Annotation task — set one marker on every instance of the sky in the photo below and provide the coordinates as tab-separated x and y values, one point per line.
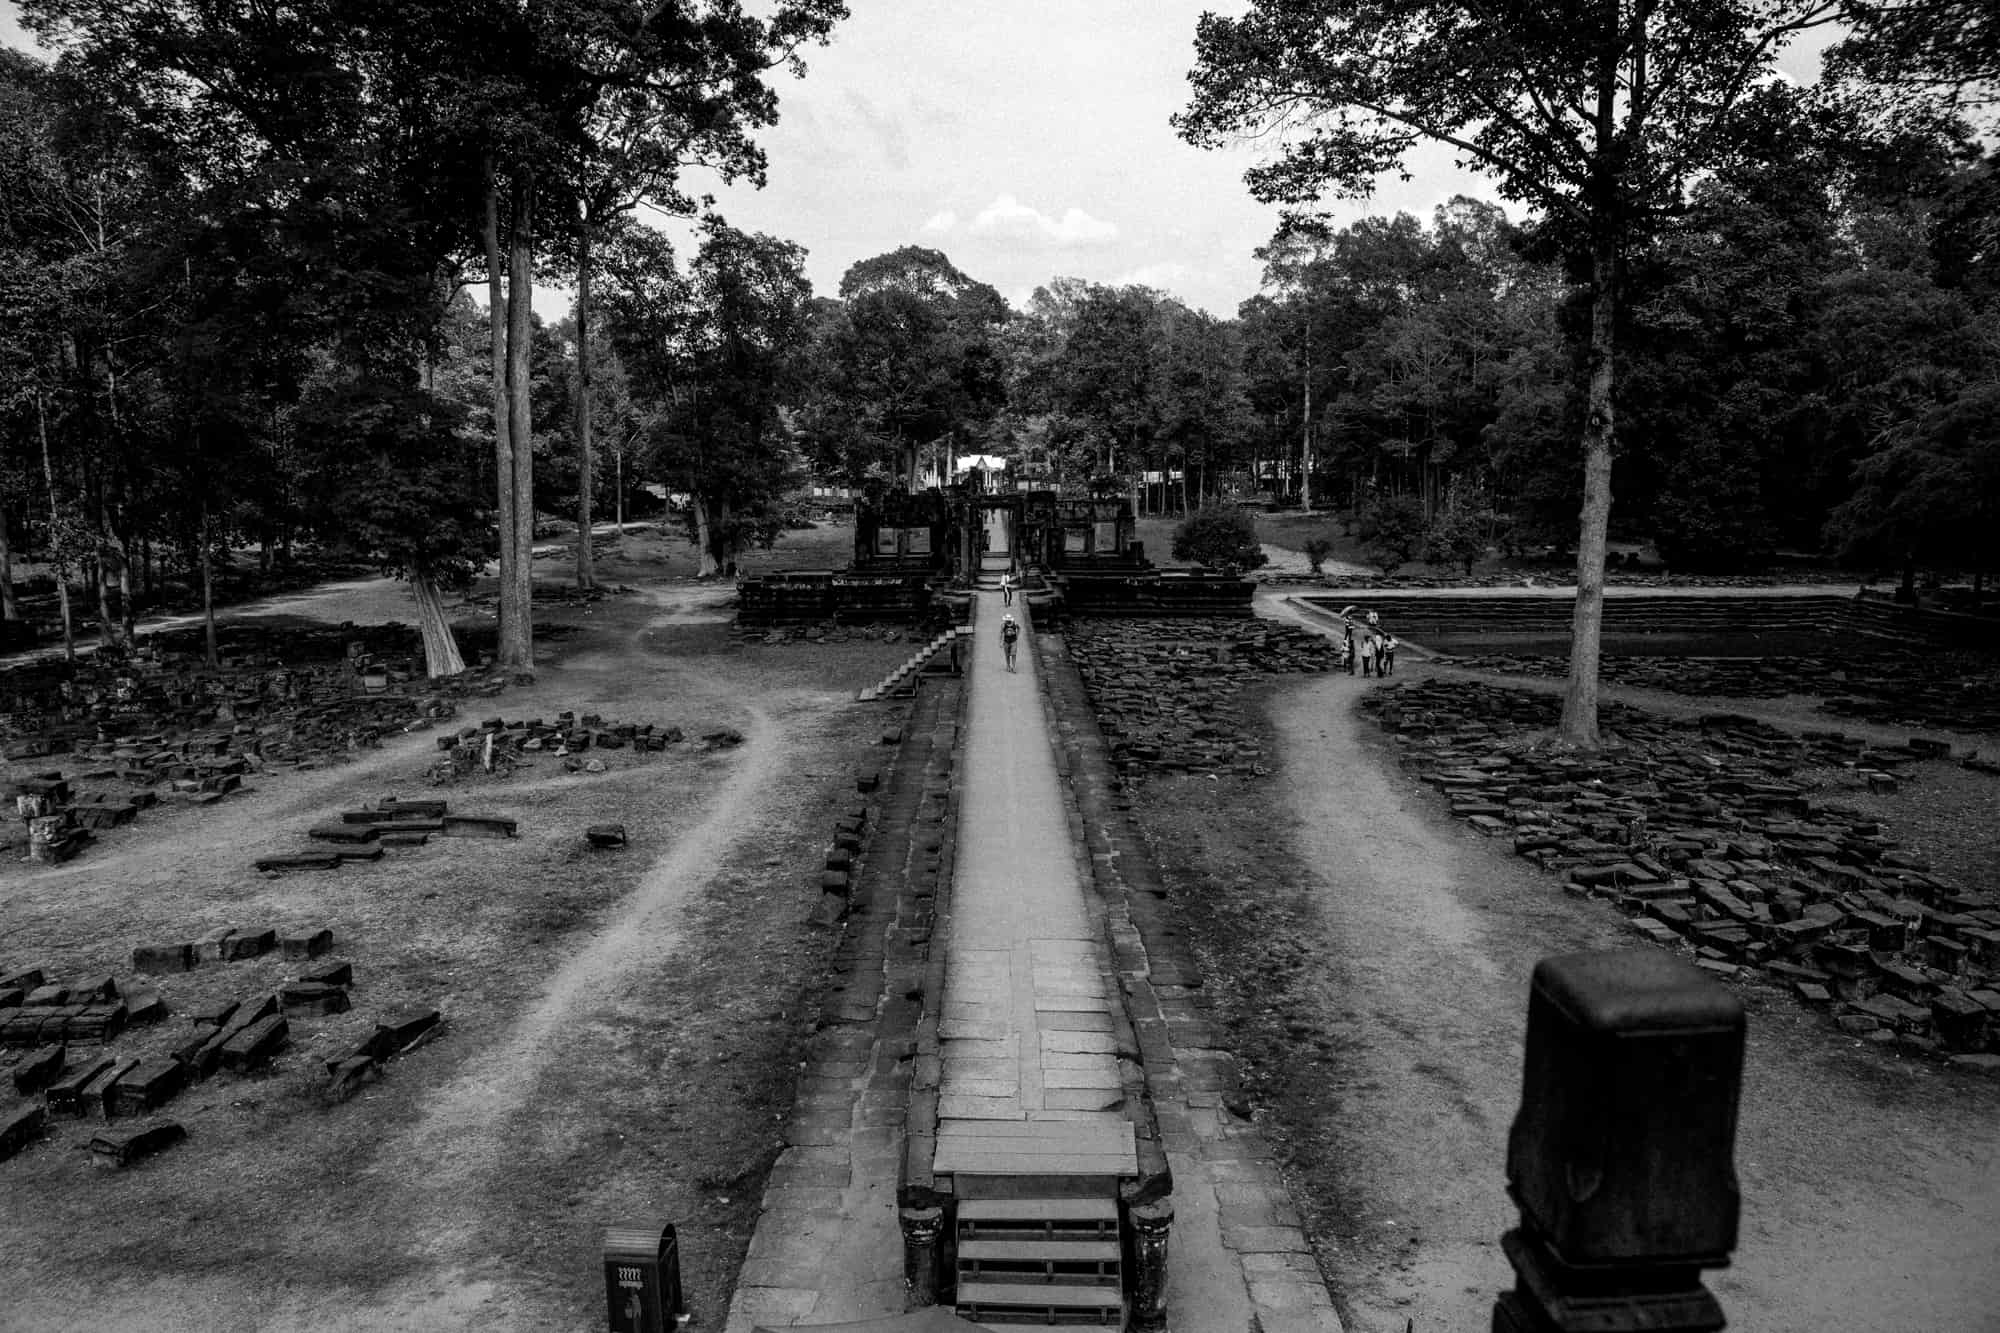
1026	139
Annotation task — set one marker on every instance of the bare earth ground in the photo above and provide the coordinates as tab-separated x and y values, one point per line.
622	1028
1370	957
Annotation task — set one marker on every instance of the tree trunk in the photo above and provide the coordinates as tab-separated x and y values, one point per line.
503	440
704	544
126	607
208	589
56	558
441	655
620	501
10	609
1305	443
586	470
520	656
725	533
1579	714
107	626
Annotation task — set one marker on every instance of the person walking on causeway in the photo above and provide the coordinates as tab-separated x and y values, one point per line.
1006	590
1010	638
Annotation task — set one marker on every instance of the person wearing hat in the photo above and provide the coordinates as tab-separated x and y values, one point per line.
1010	635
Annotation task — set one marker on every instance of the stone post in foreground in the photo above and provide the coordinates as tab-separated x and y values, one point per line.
922	1229
1621	1158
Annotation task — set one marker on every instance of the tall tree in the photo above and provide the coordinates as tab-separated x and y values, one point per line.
1594	114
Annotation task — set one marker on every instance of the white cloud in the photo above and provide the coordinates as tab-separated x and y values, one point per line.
940	223
1008	216
1165	276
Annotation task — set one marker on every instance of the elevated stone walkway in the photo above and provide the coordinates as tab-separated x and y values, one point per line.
1037	1077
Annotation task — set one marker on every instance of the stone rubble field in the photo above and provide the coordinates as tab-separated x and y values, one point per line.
1704	833
1166	691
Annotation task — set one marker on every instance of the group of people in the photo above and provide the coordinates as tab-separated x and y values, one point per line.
1373	648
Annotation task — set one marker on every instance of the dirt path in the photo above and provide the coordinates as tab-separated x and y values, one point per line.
1871	1187
605	1038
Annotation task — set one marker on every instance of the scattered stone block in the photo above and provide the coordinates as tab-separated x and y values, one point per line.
68	1095
95	1023
252	1046
335	974
309	997
347	1077
145	1087
164	958
40	1070
404	1030
479	826
19	1129
868	781
144	1004
249	944
412	808
11	997
45	996
342	832
214	946
25	980
831	910
1986	1064
299	861
216	1015
605	835
310	945
114	1149
97	1097
1959	1021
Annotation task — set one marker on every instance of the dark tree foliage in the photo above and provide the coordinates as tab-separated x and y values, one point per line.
1391	529
1223	536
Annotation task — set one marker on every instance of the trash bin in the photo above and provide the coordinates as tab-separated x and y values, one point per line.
642	1278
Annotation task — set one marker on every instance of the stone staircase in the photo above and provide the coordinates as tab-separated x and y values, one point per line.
991	567
906	674
1040	1261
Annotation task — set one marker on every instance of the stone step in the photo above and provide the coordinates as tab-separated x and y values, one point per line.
1068	1221
1040	1303
1082	1262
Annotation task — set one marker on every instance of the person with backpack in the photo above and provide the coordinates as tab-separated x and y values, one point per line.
1385	655
1010	637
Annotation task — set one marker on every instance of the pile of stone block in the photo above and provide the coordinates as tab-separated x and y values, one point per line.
157	725
1700	830
497	745
836	879
1892	686
1166	691
394	821
57	1040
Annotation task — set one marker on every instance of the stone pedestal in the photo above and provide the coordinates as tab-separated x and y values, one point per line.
1550	1297
1621	1157
923	1229
1150	1225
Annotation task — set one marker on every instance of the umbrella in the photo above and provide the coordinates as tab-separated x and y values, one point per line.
930	1319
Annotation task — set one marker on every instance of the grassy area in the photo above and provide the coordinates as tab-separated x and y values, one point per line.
622	1032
